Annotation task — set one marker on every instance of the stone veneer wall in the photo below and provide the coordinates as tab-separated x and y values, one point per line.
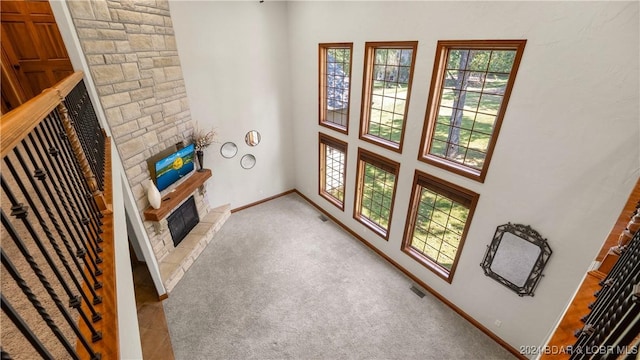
131	51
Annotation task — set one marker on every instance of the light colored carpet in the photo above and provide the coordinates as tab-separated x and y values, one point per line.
278	283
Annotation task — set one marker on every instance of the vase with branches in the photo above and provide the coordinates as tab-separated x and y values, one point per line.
202	139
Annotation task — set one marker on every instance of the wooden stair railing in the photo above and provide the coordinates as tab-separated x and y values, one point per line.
59	300
571	332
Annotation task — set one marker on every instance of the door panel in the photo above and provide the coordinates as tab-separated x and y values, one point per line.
36	79
43	8
21	45
63	73
12	91
51	41
10	7
33	47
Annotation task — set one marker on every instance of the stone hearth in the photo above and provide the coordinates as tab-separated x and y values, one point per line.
177	262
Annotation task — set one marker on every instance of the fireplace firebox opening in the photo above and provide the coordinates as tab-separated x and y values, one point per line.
183	220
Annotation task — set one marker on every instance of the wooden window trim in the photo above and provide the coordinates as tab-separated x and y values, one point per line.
322	67
457	193
324	139
391	166
367	85
433	103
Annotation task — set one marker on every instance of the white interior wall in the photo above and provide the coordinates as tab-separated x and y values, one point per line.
235	63
565	162
566	159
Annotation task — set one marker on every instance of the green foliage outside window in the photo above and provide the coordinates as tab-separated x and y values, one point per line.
377	195
439	226
473	87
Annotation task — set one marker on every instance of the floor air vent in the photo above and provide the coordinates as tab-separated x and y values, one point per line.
417	291
323	218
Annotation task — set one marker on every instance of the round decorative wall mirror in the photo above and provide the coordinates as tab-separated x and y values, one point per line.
228	150
248	161
252	138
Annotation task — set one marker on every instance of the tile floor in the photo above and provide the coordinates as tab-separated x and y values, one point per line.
154	333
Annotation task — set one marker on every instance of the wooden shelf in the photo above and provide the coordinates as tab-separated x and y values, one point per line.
180	193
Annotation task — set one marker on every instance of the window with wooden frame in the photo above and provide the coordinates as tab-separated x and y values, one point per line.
437	223
333	162
470	89
335	85
376	188
388	72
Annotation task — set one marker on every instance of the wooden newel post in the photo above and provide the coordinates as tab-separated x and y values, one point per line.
90	178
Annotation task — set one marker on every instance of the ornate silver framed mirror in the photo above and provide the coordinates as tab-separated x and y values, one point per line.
228	150
516	257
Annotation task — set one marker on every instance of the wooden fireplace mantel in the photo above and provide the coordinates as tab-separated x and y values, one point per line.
180	193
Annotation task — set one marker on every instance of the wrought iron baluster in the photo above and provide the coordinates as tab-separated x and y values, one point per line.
55	125
81	158
606	315
613	320
615	282
91	138
96	335
74	105
5	355
41	175
621	325
632	249
83	209
15	274
13	315
611	284
55	163
20	211
63	196
610	319
87	124
83	196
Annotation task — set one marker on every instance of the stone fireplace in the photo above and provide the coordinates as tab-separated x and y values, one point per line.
130	49
175	257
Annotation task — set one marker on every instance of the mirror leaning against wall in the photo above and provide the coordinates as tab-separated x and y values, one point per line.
516	258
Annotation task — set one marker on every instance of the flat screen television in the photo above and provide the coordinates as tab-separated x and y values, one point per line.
173	167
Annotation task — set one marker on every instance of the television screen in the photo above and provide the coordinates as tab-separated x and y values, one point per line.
174	166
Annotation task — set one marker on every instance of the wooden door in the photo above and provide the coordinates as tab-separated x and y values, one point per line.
33	54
